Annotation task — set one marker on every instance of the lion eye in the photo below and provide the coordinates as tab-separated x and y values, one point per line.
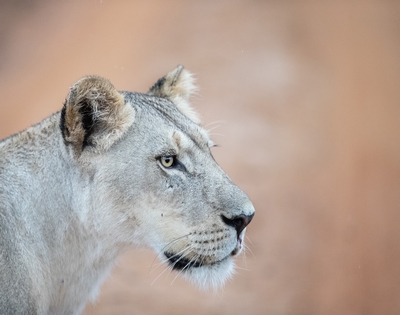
167	161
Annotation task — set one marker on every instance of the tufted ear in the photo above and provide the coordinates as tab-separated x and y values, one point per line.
94	115
177	86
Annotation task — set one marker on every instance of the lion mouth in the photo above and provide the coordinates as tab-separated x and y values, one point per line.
180	263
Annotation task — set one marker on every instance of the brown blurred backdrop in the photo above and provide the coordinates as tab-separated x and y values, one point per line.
305	96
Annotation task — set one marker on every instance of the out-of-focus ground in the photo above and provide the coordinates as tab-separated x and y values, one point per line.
306	97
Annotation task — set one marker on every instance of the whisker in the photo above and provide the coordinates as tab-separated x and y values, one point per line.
168	267
171	268
244	255
241	268
162	250
248	239
215	122
182	254
249	249
211	129
181	271
193	259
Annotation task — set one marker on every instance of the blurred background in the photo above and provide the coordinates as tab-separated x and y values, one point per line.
303	99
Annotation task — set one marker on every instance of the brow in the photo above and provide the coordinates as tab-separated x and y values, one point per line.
180	121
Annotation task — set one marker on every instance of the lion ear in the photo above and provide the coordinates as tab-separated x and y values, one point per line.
94	115
177	86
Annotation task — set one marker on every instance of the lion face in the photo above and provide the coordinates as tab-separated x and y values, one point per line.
154	178
183	204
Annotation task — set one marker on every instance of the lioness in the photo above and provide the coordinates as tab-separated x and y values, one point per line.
110	170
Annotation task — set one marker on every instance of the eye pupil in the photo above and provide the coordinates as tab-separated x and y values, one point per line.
167	161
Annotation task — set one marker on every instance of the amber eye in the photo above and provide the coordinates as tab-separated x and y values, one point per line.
167	161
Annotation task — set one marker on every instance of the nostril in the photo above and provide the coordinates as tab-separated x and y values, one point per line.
238	222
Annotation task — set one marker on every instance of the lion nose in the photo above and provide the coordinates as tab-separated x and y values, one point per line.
239	222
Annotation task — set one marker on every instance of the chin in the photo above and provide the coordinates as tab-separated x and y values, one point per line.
205	276
211	276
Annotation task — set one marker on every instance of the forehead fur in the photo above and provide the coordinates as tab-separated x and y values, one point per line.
168	111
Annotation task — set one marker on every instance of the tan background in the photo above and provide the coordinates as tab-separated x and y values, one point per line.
306	96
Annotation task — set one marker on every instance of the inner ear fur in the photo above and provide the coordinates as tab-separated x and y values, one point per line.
94	115
177	86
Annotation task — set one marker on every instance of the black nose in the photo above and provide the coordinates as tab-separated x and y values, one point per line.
238	222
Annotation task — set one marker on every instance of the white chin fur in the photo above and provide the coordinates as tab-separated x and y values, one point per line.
212	276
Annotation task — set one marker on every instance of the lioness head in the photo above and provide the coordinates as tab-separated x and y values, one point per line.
153	177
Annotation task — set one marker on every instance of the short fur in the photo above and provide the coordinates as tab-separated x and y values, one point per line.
89	182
